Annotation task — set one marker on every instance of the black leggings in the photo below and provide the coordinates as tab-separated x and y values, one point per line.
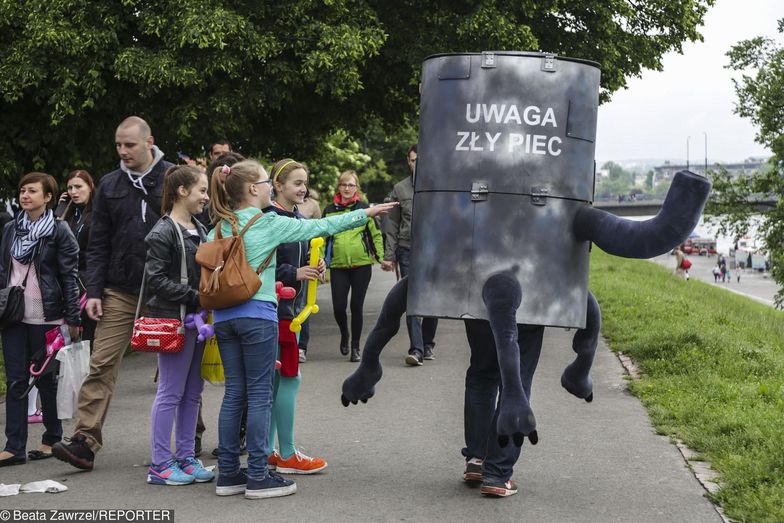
341	280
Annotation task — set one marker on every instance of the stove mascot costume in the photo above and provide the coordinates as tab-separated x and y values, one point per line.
503	225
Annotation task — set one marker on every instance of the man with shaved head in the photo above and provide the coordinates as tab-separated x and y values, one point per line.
126	206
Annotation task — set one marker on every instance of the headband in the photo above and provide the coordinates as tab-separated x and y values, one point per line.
280	169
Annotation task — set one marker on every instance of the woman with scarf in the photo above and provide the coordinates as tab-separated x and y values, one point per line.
350	256
40	254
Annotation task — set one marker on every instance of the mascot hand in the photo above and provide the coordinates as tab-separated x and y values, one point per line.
577	383
516	419
361	386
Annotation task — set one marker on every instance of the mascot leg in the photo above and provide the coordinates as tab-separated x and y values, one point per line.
576	378
360	386
502	295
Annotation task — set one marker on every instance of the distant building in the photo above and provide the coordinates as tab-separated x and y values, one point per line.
748	166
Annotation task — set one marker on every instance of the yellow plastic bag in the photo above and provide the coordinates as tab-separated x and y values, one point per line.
211	364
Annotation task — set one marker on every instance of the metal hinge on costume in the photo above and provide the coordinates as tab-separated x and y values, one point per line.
539	195
479	191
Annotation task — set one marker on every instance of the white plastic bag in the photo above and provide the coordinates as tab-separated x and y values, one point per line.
74	366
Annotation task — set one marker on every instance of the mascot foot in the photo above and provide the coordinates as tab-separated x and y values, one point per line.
516	419
577	383
361	385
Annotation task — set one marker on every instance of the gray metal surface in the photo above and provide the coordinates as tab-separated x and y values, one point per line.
506	148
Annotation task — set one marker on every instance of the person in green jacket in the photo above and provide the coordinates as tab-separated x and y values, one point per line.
350	257
247	333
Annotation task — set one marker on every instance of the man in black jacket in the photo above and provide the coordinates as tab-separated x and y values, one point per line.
127	205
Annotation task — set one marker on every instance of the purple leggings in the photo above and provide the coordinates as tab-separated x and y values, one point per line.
179	393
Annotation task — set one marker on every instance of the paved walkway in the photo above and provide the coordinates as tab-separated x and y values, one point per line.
756	285
398	457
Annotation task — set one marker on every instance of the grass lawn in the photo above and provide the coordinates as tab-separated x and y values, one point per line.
713	374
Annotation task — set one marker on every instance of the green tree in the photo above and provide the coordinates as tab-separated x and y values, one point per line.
760	92
620	181
275	78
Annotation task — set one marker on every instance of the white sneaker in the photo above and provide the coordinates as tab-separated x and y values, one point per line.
302	357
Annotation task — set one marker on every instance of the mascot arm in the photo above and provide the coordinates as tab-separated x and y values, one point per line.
677	218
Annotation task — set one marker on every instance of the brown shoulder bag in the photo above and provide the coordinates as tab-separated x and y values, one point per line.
226	277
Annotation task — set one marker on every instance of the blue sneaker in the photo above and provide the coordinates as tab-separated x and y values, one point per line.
168	473
231	485
194	467
273	486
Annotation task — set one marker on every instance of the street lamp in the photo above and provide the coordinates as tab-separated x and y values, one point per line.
687	152
706	153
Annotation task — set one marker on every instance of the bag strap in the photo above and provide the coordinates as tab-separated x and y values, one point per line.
29	266
266	262
183	269
183	273
251	222
219	235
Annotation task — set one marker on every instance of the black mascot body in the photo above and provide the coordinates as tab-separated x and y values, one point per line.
504	184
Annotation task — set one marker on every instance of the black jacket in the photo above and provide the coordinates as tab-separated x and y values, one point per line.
289	258
116	253
56	259
164	292
78	219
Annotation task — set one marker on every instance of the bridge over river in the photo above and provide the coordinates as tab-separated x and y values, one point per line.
651	207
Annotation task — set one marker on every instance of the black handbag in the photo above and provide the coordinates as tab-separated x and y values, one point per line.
12	303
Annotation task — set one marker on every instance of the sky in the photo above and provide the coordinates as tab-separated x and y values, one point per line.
694	94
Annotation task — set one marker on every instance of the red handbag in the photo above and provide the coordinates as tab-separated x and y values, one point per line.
165	335
157	335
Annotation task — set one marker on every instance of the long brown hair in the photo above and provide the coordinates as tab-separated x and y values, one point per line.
176	176
227	196
68	212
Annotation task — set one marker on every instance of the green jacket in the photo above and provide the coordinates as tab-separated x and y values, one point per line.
272	229
354	247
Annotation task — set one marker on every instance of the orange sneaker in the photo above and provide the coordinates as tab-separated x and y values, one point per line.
272	460
299	463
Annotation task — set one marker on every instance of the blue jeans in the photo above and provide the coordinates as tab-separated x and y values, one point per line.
483	385
421	331
248	347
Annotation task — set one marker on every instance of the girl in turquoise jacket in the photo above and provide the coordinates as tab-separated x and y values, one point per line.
350	257
247	333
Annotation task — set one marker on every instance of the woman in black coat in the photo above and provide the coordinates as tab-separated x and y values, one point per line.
76	209
39	253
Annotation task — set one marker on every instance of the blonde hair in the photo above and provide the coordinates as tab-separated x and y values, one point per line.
346	174
227	196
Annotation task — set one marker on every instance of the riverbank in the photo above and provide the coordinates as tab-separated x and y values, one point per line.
759	286
712	371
